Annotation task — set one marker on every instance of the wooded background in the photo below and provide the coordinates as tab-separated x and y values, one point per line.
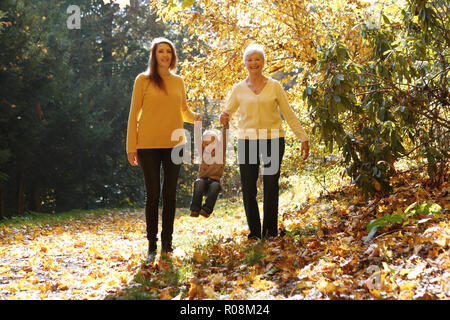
368	80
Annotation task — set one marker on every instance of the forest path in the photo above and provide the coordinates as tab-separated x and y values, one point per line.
323	252
90	255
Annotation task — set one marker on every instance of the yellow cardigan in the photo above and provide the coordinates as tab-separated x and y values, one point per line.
155	115
259	116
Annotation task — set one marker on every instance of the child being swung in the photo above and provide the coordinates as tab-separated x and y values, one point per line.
213	153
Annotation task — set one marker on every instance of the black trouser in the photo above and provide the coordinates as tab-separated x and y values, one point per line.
208	187
150	161
271	152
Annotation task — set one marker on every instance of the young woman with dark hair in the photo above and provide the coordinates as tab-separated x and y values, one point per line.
158	108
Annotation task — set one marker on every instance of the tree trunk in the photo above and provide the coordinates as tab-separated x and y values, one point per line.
134	4
1	201
37	197
107	41
20	192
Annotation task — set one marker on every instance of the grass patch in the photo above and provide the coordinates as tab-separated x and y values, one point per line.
255	255
307	231
37	218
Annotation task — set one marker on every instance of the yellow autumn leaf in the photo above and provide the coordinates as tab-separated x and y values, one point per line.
325	286
165	294
375	293
209	291
194	289
262	284
406	286
215	279
199	257
304	284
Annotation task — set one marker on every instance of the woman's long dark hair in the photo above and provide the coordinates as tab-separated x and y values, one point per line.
152	68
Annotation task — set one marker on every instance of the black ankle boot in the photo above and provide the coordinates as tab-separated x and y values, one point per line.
151	250
167	248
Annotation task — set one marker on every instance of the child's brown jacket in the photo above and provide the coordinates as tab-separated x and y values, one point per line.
215	170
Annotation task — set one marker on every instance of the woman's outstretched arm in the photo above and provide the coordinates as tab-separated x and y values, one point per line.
135	110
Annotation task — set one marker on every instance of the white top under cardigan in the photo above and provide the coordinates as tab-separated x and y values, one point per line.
259	116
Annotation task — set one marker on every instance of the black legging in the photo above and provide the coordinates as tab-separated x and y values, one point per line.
150	161
249	153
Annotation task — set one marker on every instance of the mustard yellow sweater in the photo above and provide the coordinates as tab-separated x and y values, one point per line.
155	114
259	114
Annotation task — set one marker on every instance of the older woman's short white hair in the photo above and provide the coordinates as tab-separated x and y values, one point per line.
254	48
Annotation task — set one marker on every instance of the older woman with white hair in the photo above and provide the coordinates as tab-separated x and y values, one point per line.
259	100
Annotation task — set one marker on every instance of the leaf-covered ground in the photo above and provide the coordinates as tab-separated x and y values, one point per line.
325	252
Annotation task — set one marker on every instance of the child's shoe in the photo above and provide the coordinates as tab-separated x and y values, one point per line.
204	213
194	213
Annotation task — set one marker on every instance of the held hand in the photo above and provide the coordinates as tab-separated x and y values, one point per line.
133	158
224	119
305	149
